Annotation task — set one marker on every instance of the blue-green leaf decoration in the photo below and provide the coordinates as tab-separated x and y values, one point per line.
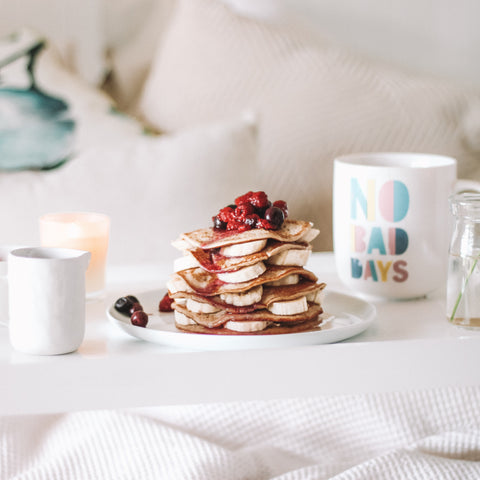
36	130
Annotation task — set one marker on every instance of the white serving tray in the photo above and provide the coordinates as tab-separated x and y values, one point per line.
408	346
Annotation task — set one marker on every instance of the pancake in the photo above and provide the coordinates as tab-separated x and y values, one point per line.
272	329
207	238
207	284
213	261
213	320
247	275
269	295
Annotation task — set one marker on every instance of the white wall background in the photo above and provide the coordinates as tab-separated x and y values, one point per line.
440	37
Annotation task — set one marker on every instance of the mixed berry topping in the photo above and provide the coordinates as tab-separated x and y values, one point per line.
252	210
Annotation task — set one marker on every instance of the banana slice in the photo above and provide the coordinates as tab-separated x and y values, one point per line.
241	249
243	274
316	297
293	256
182	319
243	299
184	263
198	307
292	279
289	307
248	326
178	284
310	235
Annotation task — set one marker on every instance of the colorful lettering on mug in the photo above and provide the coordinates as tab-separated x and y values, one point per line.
384	269
397	240
393	200
367	205
358	238
379	271
399	268
393	242
376	241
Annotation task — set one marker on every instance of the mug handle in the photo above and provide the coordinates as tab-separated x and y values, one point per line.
463	185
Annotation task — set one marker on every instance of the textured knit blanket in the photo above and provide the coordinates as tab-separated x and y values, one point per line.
416	435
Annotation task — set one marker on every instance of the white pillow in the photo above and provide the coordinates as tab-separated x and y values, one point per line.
153	188
315	101
133	29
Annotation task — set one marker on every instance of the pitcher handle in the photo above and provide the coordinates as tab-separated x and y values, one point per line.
86	259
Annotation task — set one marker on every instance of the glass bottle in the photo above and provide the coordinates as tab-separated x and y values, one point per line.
463	284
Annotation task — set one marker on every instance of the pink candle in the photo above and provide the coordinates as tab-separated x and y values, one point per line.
81	231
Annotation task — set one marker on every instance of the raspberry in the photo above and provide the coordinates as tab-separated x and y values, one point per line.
257	199
243	199
265	224
243	210
165	304
282	205
239	226
226	214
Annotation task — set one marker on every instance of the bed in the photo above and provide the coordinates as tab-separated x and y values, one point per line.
157	130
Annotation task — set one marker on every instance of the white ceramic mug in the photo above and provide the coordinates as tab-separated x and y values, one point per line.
46	290
391	223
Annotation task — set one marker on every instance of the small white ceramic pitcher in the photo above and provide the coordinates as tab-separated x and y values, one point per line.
4	251
46	291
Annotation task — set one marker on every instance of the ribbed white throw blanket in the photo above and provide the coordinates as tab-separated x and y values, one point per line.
418	435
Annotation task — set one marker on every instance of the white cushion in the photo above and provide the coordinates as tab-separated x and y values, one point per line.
153	188
315	101
133	29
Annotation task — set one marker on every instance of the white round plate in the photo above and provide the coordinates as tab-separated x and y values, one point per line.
351	316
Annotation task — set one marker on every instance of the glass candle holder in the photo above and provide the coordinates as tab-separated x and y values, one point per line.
463	286
81	231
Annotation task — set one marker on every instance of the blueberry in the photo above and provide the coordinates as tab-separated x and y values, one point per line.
218	224
133	299
251	220
275	216
139	318
123	305
136	307
260	211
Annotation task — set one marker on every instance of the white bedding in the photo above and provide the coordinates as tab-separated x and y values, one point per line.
418	435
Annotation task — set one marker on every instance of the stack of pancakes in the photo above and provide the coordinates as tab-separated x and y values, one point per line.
250	282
